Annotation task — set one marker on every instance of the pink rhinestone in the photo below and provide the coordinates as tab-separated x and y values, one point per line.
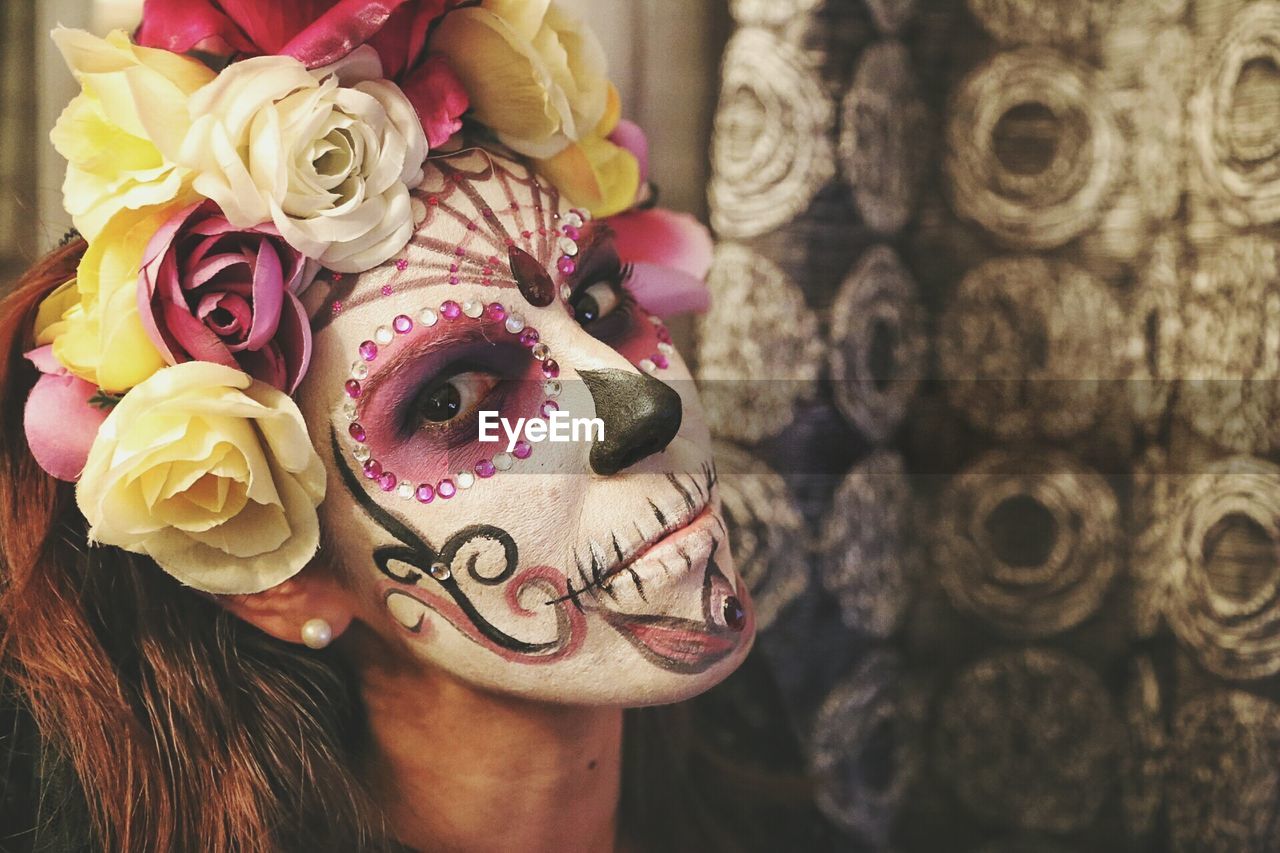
496	312
566	265
453	267
387	481
459	251
425	494
471	226
446	489
353	388
337	307
433	201
572	233
493	260
660	361
453	279
402	324
402	264
368	350
357	431
373	469
664	335
550	369
529	337
522	450
526	234
450	309
549	407
485	469
386	290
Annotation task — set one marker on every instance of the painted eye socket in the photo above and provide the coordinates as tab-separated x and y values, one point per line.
453	396
596	301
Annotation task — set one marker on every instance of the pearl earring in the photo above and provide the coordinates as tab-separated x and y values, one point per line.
316	633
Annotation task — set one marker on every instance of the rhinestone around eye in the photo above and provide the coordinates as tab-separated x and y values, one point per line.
383	335
542	352
647	366
465	480
515	324
440	571
551	388
428	317
361	453
473	308
666	348
565	292
405	490
502	461
573	219
567	246
349	409
359	370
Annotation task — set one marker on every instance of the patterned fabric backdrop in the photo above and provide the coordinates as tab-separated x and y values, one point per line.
1011	270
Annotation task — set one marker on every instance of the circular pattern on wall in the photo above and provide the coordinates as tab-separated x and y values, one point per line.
759	351
1040	21
1235	118
1156	329
1224	775
1230	349
1032	149
1223	601
878	344
1033	347
1027	541
765	528
866	548
1027	739
771	149
864	755
884	137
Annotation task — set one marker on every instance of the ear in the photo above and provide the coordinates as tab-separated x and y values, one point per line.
282	610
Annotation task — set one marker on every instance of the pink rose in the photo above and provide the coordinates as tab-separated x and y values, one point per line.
209	291
319	33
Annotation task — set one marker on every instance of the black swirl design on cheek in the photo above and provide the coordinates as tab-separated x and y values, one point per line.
417	557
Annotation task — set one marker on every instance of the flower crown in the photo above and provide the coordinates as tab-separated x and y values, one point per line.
217	162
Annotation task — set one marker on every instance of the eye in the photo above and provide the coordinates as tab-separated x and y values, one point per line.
600	303
453	396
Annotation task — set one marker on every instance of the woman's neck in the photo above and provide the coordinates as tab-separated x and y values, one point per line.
458	769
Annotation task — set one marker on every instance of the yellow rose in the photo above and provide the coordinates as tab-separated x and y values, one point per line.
535	75
211	474
594	173
93	321
122	134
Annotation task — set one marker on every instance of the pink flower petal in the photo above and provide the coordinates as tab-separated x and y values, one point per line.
294	337
337	32
268	296
181	25
667	291
439	99
271	25
628	135
663	237
61	424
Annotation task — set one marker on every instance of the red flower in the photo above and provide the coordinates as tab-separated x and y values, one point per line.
318	33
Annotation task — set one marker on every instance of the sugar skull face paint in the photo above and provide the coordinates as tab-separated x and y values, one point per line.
589	572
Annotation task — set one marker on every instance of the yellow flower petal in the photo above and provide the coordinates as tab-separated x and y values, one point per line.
595	174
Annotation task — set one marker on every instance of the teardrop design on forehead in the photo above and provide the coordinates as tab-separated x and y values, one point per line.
471	208
533	280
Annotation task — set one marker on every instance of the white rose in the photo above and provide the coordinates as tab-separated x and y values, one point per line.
328	155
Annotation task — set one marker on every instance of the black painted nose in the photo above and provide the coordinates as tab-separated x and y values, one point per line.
641	415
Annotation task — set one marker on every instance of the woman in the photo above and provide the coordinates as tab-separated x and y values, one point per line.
294	599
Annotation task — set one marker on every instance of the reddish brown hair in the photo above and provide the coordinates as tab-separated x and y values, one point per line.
185	728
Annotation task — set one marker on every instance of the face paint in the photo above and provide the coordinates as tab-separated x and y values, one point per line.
582	572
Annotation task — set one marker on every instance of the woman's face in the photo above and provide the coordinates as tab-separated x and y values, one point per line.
582	571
